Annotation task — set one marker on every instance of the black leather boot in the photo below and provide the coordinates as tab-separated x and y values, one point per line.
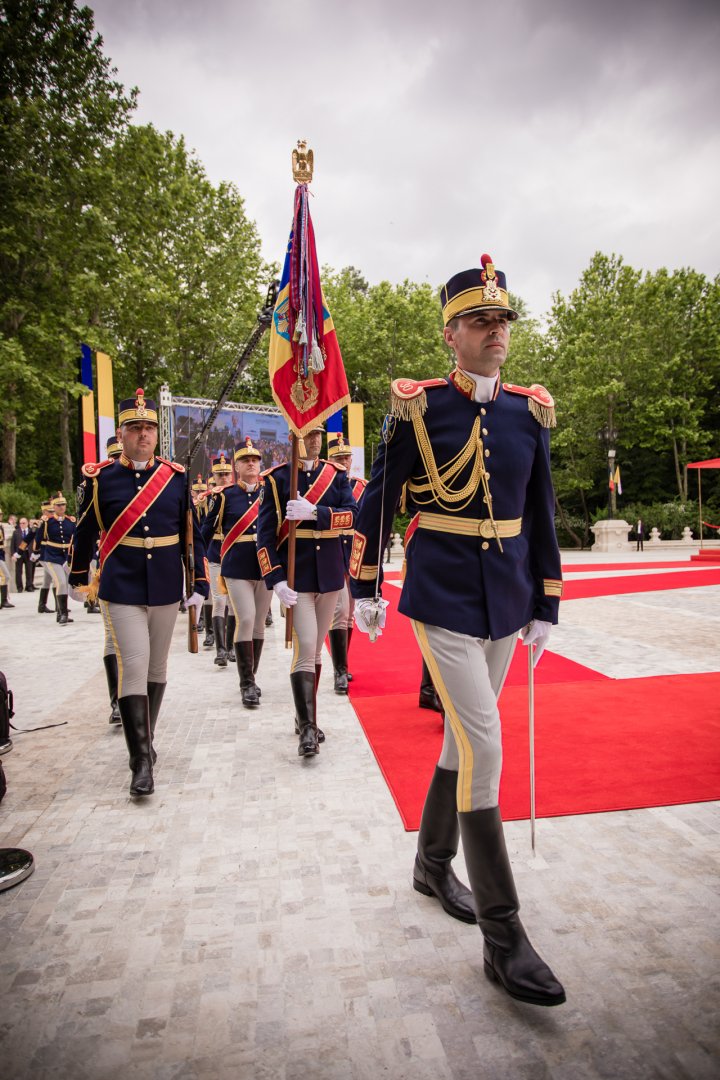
4	602
135	713
508	956
219	632
320	732
93	608
338	651
248	690
64	617
428	695
111	674
156	692
349	639
43	609
230	638
438	838
209	640
303	691
55	609
269	618
258	643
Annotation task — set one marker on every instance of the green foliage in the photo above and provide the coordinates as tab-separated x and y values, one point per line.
21	499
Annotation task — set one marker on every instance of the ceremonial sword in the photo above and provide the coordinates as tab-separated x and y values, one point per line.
531	734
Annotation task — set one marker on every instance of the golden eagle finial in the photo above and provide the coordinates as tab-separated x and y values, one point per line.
302	163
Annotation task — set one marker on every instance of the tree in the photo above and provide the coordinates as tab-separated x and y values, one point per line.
60	108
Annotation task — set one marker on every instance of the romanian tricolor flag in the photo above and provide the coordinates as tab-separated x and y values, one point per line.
307	377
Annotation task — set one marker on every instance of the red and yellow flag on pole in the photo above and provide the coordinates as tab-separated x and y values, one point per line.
307	376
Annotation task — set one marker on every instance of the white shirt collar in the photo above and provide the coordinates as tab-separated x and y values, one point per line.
484	385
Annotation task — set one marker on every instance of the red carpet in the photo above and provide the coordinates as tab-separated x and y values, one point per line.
601	744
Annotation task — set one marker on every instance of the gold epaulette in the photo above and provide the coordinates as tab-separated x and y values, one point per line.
335	464
173	464
92	468
540	402
273	468
408	399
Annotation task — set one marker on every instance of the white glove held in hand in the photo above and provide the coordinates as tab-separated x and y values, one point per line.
34	557
196	600
536	633
76	595
300	510
370	616
284	593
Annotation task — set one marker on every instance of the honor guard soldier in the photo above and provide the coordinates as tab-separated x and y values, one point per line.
482	564
340	632
53	540
199	498
240	570
137	506
4	577
324	507
113	453
36	556
223	622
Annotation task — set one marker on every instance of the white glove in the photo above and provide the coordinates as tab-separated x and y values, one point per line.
284	593
370	616
34	557
76	595
536	633
196	600
300	510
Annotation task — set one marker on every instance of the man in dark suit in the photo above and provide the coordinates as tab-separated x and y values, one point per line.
20	547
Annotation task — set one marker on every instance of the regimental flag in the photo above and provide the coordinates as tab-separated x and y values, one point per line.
611	479
307	377
618	483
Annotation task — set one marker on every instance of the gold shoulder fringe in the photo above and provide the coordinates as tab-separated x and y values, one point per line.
408	408
544	414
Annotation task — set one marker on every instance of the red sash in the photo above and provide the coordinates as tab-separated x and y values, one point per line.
240	526
314	494
132	513
358	488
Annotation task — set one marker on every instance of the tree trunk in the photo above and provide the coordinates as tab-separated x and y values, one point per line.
67	462
566	525
9	447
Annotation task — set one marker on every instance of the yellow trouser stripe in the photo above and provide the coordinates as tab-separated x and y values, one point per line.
465	753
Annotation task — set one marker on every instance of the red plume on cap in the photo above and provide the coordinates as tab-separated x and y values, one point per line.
248	440
140	392
485	259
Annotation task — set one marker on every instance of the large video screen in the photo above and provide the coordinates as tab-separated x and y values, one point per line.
268	432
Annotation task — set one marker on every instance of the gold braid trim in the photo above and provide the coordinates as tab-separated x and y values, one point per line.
408	408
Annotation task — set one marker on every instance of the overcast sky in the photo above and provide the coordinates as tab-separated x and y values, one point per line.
539	131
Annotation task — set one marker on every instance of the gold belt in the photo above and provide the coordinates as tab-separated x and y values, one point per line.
469	526
51	543
150	541
218	536
317	534
243	539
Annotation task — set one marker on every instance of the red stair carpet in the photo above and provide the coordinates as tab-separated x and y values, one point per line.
600	743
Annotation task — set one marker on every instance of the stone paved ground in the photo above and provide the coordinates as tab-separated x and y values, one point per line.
254	919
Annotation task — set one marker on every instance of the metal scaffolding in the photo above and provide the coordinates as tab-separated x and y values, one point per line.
168	402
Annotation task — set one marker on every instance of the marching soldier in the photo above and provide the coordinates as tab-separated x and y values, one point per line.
200	493
340	632
324	507
249	596
114	449
4	576
482	564
223	622
138	507
52	544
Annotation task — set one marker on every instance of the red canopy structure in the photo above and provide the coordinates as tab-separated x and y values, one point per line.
711	463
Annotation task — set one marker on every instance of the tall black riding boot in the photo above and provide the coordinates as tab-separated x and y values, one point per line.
62	602
349	639
428	696
320	732
303	691
438	838
338	652
209	636
230	637
219	632
4	602
55	609
135	713
156	692
111	674
507	953
258	643
248	690
43	609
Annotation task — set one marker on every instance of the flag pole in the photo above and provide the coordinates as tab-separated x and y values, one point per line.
531	739
294	462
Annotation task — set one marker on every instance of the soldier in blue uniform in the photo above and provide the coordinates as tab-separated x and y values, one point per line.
213	533
52	541
137	505
4	575
482	564
324	507
249	596
35	557
199	497
340	631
